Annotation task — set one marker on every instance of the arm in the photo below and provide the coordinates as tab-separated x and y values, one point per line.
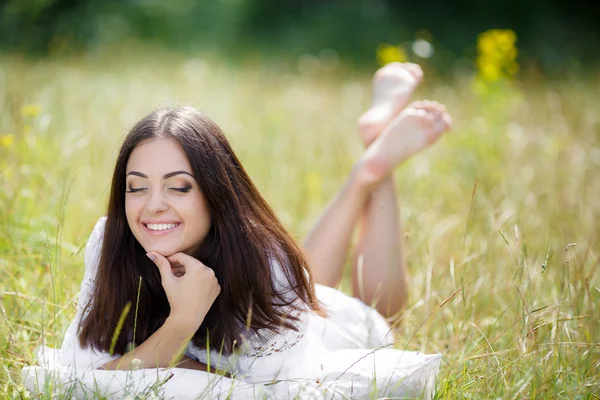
190	297
188	363
152	354
161	350
165	346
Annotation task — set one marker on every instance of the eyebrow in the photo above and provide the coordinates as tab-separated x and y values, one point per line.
165	176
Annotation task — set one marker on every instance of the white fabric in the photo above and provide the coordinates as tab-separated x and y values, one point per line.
347	354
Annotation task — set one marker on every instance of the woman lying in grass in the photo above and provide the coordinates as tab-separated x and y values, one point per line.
191	268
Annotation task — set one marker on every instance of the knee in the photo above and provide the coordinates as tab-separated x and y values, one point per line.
394	305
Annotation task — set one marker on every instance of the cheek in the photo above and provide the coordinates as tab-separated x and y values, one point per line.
204	217
198	217
192	208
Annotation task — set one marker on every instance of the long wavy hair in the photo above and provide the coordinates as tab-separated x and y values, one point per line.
245	239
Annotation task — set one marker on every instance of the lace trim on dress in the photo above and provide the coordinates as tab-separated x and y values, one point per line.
267	342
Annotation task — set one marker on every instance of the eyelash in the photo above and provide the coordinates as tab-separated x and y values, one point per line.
185	189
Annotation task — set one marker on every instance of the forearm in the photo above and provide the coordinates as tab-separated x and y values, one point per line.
188	363
162	349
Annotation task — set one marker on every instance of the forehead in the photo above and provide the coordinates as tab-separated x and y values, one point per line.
160	156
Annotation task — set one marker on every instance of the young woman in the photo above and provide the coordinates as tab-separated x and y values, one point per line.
191	268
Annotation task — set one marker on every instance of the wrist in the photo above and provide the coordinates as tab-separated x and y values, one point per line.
182	325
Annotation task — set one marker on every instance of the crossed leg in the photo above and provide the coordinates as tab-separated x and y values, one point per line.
369	194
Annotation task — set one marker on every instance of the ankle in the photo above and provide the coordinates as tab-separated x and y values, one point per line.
369	130
368	173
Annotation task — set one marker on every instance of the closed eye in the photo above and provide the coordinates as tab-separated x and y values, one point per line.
183	189
132	190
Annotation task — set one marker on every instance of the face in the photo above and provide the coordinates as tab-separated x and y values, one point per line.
165	208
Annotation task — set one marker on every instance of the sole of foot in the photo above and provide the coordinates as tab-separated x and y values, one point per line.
417	127
392	87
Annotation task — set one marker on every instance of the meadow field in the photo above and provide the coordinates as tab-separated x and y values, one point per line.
501	216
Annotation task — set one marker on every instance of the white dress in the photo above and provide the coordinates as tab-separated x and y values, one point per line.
349	354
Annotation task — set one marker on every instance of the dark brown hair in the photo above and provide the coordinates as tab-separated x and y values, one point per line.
244	240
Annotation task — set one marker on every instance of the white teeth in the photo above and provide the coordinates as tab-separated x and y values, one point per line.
160	227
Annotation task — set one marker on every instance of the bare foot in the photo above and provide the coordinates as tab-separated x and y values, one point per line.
392	87
414	129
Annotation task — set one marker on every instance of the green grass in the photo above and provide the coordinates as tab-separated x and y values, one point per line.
502	215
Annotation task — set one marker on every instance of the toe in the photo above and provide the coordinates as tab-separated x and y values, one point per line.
423	118
426	105
443	122
418	105
433	106
447	120
411	73
437	113
440	125
429	105
394	64
388	69
415	70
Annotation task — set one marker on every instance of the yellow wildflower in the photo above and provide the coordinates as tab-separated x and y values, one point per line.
30	110
485	45
489	71
497	54
7	140
387	53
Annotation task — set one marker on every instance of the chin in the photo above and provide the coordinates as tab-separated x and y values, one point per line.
165	251
168	251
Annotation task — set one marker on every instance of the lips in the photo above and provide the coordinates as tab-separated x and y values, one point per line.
160	228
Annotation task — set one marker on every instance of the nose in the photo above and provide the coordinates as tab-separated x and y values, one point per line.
157	202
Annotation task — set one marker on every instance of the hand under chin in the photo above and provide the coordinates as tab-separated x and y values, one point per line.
178	271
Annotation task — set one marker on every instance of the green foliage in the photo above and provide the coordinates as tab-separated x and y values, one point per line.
553	34
501	215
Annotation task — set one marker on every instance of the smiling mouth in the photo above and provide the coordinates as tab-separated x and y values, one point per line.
161	227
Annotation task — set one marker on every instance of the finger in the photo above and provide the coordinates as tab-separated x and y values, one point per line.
185	260
178	271
164	267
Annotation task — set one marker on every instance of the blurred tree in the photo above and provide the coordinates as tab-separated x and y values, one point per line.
553	32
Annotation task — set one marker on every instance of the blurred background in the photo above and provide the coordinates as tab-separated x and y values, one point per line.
554	35
501	216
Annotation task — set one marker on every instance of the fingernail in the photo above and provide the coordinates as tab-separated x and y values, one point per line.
151	256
